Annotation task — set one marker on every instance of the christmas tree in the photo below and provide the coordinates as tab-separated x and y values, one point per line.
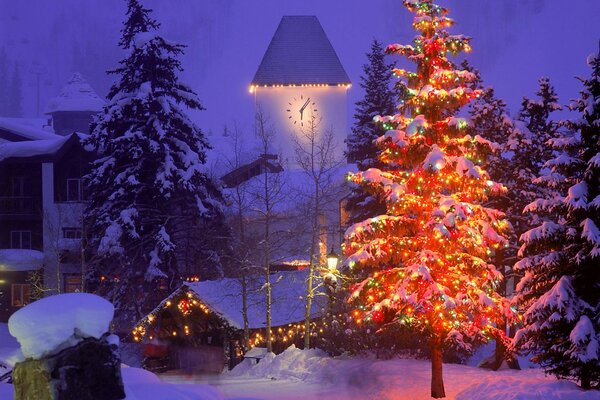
559	291
430	251
379	99
154	214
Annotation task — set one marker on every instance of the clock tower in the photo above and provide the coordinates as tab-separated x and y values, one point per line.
299	78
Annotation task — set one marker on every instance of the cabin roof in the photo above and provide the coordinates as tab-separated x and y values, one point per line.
224	298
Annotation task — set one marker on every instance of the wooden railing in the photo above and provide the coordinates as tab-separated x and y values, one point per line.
11	205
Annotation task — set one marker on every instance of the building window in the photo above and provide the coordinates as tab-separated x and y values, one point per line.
71	233
20	239
74	189
72	283
21	186
20	294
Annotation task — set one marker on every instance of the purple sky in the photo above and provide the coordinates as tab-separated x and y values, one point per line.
514	42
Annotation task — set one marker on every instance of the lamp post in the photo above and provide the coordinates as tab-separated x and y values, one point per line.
332	260
331	277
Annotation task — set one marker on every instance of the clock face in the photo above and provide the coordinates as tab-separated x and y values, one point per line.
300	109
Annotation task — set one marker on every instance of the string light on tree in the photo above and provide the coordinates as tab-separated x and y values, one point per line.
431	250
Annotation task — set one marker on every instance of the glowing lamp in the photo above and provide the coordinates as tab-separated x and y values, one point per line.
332	260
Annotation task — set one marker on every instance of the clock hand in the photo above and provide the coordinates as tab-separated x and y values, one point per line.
304	107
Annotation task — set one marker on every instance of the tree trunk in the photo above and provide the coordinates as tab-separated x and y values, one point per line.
437	381
311	269
586	384
245	311
268	261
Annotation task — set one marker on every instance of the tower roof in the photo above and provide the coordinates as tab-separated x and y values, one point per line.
76	95
300	54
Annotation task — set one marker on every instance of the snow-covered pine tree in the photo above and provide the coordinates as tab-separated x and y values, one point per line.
560	291
490	119
379	99
431	249
536	114
154	213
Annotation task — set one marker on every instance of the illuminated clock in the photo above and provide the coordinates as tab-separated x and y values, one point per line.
301	109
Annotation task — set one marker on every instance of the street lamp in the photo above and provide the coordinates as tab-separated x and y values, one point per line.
332	260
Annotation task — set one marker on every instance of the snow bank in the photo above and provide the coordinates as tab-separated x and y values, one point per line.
293	364
43	326
361	378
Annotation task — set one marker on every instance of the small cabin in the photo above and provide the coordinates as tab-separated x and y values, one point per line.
200	326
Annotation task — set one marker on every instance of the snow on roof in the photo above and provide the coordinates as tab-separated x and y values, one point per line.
77	95
34	147
44	325
28	128
300	53
224	298
20	260
31	148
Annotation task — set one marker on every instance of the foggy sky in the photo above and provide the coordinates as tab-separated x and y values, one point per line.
514	43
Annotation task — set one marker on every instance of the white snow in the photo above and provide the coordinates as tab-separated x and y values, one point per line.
77	95
31	148
299	375
144	385
43	326
583	334
20	260
28	128
302	375
223	297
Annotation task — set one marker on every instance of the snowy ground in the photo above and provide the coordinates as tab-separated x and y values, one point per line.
305	375
299	375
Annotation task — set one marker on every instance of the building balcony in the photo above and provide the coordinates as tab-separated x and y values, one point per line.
20	205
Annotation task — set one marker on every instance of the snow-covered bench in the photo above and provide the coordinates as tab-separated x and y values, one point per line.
256	354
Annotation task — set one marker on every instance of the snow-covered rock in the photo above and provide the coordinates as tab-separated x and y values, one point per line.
47	324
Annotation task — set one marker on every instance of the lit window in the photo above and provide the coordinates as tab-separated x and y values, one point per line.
20	239
20	294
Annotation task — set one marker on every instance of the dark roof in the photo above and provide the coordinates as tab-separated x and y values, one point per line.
300	53
265	163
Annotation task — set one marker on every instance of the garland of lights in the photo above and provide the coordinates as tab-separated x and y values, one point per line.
431	249
189	303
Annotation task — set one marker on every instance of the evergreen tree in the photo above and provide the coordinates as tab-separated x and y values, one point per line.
490	119
155	213
15	94
536	114
507	164
560	290
379	99
431	250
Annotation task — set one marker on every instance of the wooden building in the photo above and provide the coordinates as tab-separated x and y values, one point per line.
200	325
